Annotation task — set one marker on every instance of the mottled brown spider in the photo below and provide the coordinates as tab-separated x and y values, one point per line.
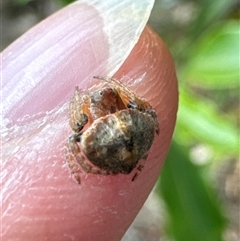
113	131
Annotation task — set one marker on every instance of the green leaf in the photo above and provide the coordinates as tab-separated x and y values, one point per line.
207	13
193	209
66	2
210	12
214	59
200	120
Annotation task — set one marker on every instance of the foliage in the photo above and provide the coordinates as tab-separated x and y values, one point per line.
207	59
194	213
65	2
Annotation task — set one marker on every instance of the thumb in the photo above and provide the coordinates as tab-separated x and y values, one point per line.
41	201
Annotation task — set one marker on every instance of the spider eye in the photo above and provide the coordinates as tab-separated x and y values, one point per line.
78	138
85	117
82	122
132	105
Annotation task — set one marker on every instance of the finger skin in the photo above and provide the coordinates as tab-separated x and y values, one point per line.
41	201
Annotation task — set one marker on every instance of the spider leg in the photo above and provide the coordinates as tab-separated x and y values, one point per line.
139	167
75	158
71	161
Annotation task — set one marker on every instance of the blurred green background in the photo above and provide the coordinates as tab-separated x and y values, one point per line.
197	194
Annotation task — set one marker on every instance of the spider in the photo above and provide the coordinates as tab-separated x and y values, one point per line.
113	130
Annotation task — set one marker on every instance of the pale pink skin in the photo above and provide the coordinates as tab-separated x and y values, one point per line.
41	201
